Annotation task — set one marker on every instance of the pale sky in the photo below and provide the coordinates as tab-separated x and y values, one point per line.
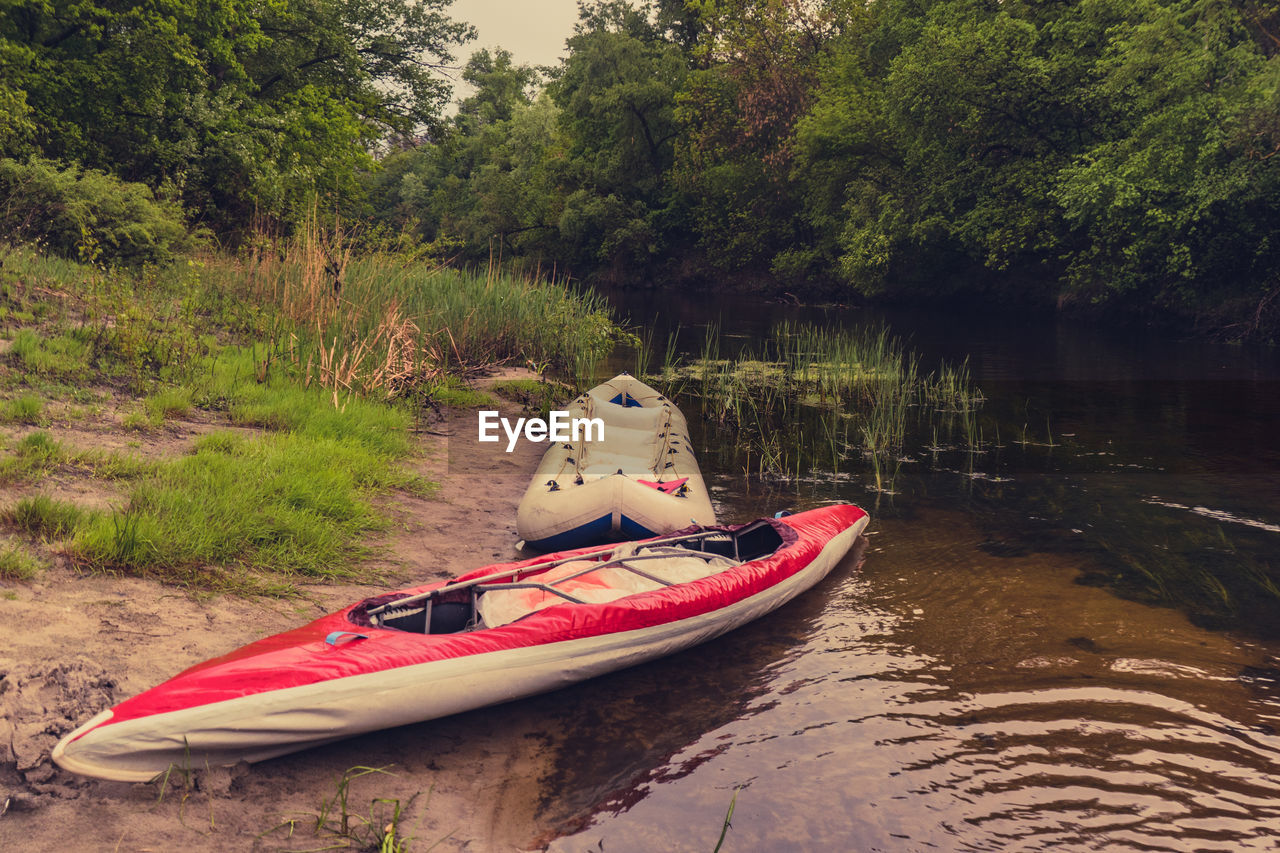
533	30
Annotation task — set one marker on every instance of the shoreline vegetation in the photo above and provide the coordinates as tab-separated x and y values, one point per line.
814	404
307	365
1101	158
307	368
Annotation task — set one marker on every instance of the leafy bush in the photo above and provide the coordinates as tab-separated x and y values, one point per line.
88	214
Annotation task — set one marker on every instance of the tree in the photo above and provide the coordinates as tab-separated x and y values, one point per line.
237	106
1182	209
485	181
616	96
756	67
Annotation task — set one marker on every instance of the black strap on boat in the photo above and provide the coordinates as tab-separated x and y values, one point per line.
604	551
529	585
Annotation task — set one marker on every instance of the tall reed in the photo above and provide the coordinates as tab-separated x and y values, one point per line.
792	402
378	325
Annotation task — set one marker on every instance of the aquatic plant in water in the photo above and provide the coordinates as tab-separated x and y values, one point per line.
790	407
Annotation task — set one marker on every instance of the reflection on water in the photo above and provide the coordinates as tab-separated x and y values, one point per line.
979	685
942	699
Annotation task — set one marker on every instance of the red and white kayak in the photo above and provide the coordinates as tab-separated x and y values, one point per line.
494	634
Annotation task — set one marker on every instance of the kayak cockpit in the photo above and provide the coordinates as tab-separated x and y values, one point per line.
606	575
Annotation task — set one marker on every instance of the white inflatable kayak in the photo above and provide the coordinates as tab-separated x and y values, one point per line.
640	480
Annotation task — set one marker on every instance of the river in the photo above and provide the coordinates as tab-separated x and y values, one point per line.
1067	643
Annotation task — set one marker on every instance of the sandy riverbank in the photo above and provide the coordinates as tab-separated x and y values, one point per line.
74	644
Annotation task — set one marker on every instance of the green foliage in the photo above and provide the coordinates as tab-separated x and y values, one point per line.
242	109
1096	153
737	114
26	409
1180	208
488	185
616	94
87	214
578	175
64	356
35	454
46	517
16	563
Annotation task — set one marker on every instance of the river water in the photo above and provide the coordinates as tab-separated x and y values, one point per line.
1067	643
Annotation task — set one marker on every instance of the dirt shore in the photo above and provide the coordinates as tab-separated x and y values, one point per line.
74	644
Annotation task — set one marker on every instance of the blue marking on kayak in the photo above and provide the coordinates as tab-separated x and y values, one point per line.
631	529
335	637
584	534
624	399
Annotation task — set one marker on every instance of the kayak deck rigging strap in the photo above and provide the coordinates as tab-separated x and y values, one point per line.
701	536
495	607
407	606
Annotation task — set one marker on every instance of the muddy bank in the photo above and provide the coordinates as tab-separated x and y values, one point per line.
73	645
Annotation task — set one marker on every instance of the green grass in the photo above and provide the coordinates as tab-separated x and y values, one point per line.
46	517
108	465
380	326
16	563
535	395
294	502
454	393
277	401
285	504
168	403
334	376
26	409
63	356
35	454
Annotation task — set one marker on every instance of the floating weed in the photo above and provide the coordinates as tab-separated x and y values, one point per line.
792	402
1026	441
